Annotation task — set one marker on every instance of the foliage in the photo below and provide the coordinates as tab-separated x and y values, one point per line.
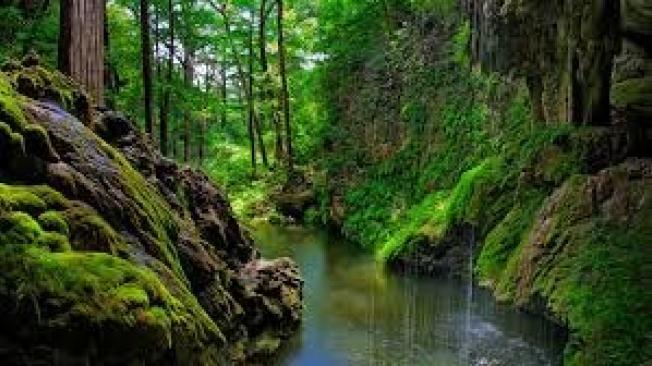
25	30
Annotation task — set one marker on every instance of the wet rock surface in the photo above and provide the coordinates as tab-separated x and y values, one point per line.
446	258
198	292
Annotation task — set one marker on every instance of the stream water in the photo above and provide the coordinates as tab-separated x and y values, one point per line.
356	313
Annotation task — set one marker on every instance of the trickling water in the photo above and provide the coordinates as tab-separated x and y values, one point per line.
358	314
469	300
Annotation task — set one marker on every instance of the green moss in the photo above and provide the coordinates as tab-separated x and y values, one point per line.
131	295
10	110
633	93
590	267
53	241
435	215
470	194
52	198
38	143
5	136
55	222
501	242
37	82
151	213
16	144
89	231
99	291
599	287
18	228
15	198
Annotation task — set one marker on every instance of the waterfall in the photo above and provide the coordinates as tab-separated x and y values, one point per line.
469	300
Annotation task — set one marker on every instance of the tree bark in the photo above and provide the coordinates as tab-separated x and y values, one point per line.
146	50
280	152
285	96
157	63
81	44
165	109
262	41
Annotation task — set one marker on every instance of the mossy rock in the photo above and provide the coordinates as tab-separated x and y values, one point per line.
31	199
55	242
38	83
90	232
18	228
16	146
103	308
38	143
5	138
54	221
10	107
502	241
581	258
18	199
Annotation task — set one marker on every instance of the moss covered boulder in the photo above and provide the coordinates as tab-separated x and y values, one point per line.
584	259
112	254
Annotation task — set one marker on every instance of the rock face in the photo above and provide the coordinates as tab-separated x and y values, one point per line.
580	58
586	262
447	258
112	254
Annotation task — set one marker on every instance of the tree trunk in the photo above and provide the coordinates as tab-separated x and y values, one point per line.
165	106
188	76
224	92
250	93
262	44
146	50
262	41
267	91
81	44
261	142
111	77
157	63
202	140
285	96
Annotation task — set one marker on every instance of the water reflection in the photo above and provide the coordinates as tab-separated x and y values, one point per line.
358	314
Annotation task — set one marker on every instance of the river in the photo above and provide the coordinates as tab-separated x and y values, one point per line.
357	313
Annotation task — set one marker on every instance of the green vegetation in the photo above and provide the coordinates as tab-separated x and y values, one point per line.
101	291
10	111
376	111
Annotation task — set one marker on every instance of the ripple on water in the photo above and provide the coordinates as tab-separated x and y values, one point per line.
357	314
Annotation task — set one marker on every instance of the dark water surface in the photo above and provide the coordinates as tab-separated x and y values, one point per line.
356	313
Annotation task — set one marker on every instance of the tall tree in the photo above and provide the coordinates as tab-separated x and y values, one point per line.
165	113
81	44
188	78
245	84
255	117
157	63
267	91
189	47
146	50
285	95
250	92
223	90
